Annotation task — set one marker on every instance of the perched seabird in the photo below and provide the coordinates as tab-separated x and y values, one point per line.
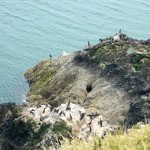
68	106
32	109
56	110
32	112
120	31
100	122
63	113
91	116
60	113
111	38
100	40
103	134
44	110
38	105
79	102
50	56
88	44
81	115
90	129
90	122
59	141
51	108
70	117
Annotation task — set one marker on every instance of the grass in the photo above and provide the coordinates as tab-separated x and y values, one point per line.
44	79
61	128
109	52
137	138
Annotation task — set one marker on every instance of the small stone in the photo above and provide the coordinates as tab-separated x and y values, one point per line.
144	98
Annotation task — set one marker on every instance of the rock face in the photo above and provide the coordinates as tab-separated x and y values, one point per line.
83	94
111	78
43	126
73	115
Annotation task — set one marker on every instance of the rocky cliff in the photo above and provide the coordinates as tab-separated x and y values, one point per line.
111	78
81	94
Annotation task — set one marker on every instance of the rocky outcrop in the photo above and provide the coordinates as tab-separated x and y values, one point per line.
82	94
112	77
44	127
73	115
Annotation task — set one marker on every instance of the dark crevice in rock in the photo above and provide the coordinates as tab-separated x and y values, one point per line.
89	88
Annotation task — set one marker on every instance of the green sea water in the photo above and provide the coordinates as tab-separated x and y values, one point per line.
30	30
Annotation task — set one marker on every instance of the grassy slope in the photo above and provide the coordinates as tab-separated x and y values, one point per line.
137	138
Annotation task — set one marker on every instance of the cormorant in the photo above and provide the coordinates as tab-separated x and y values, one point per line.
90	128
56	110
70	117
63	113
111	38
44	110
60	113
90	122
32	112
120	31
100	40
79	102
88	44
68	106
50	56
81	115
100	122
38	105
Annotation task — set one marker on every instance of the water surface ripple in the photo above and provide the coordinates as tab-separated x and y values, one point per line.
30	30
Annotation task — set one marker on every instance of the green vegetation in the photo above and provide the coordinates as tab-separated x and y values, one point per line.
137	138
60	128
109	52
122	53
31	122
37	137
44	79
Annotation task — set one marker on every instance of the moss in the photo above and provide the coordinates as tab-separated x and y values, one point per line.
61	128
44	78
109	52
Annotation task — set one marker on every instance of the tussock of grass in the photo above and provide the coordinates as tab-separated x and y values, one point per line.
76	144
135	139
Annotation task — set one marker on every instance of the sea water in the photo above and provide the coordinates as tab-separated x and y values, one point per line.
31	30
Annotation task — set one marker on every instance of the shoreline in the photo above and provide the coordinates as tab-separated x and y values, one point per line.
89	92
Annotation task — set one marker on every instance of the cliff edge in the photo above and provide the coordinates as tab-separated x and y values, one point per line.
82	94
111	78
